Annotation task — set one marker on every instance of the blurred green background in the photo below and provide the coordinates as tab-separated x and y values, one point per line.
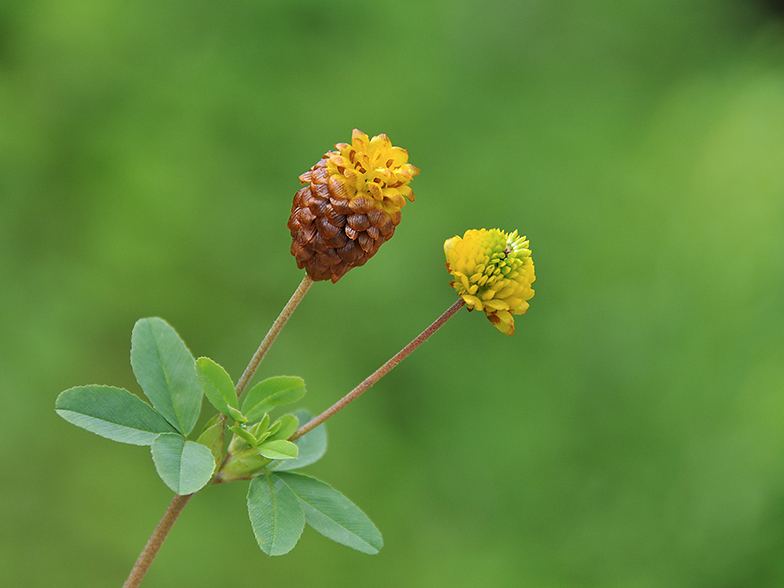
630	434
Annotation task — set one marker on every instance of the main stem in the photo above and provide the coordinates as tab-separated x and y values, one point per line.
178	502
156	540
380	372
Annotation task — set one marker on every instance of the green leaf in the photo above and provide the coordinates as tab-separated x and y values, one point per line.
263	437
245	435
275	514
279	449
270	393
237	415
312	445
166	371
218	387
214	437
273	428
261	426
259	430
184	466
284	427
113	413
333	515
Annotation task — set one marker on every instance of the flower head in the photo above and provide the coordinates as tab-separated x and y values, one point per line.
350	206
493	271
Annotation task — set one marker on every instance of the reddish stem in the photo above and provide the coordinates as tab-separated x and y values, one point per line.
156	540
380	372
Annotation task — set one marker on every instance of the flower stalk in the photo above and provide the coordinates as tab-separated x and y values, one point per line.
274	331
380	372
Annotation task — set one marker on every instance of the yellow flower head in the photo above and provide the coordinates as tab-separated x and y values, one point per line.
350	206
493	271
373	168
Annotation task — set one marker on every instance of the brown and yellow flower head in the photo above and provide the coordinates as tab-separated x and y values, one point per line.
350	206
493	271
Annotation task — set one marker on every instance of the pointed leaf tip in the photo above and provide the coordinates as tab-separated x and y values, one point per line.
333	515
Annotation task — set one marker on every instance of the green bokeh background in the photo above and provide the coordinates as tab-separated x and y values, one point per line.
630	434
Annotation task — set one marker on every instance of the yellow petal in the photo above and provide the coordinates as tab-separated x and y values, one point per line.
498	305
380	143
399	157
473	301
359	140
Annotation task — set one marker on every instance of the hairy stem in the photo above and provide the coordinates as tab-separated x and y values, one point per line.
380	372
275	329
156	540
